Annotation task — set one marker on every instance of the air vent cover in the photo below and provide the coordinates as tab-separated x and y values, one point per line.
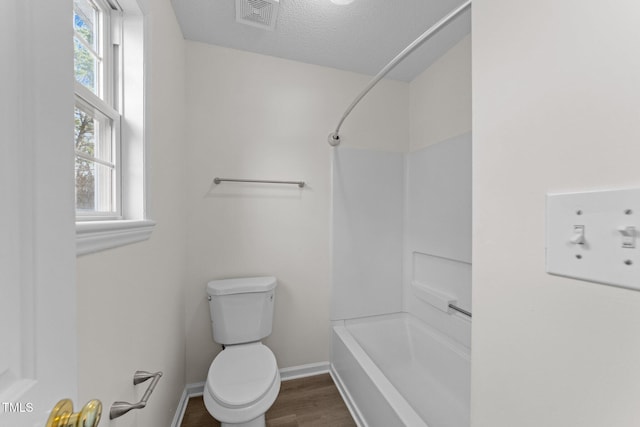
257	13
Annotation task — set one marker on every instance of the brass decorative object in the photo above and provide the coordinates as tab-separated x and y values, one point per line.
62	414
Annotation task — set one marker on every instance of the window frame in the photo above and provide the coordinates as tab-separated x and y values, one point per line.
129	34
82	103
103	101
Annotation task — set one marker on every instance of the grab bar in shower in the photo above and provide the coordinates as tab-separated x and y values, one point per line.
118	409
438	299
460	310
217	180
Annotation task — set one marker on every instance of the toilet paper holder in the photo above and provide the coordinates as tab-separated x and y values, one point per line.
118	409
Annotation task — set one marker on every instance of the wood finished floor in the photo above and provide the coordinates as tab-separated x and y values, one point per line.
311	401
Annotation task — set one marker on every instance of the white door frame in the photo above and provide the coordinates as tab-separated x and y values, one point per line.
38	357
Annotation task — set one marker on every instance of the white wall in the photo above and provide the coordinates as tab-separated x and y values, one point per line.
131	299
254	116
440	98
556	108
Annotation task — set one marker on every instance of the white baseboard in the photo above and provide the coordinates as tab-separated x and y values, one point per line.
292	373
182	406
194	389
302	371
190	390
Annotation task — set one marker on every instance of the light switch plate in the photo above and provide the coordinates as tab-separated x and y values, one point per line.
605	255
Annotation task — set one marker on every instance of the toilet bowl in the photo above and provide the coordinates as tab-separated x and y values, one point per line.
243	382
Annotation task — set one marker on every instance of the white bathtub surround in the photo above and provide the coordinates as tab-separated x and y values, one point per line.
402	234
438	233
439	199
402	243
367	219
402	218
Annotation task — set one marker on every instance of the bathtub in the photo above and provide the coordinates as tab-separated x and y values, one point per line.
394	370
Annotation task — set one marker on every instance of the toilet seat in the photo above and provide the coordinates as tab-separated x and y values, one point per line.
242	384
242	374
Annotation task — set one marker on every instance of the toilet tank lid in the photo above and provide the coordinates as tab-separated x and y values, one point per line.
241	285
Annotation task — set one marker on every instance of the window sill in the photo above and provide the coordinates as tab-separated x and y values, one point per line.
95	236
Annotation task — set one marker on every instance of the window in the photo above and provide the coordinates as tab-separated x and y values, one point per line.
97	119
108	41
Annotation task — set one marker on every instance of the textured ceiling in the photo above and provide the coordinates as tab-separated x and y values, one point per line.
362	36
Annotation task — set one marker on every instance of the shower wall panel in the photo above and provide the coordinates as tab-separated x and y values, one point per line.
437	256
367	222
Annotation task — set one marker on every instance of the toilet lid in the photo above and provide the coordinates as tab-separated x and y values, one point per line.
242	374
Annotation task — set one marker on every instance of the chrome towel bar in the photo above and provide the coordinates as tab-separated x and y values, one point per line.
217	180
120	408
460	310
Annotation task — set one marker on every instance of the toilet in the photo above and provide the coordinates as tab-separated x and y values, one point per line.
243	380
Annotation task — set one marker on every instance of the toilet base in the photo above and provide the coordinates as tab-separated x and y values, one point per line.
256	422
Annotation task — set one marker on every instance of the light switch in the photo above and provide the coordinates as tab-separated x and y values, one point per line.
592	236
578	235
628	237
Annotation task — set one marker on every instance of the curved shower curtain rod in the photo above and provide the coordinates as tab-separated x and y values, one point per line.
334	137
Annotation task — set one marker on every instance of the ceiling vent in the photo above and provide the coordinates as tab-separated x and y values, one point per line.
257	13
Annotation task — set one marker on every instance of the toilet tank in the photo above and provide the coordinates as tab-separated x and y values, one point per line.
241	309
